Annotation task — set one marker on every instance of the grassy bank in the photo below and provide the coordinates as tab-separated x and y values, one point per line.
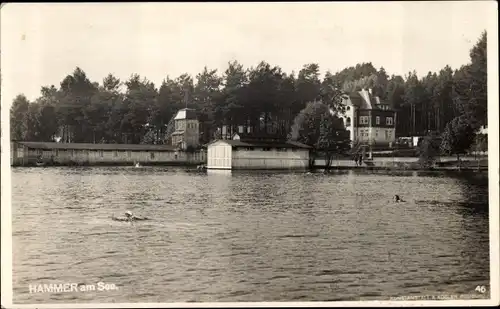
481	165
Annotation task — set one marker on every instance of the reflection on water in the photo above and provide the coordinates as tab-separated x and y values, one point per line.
248	236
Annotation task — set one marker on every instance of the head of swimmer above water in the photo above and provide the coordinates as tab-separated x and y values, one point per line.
129	214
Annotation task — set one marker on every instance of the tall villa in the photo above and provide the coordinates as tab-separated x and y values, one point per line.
187	132
370	121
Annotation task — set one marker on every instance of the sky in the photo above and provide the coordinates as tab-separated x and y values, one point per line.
42	43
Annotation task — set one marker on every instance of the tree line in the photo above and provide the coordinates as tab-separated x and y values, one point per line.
262	97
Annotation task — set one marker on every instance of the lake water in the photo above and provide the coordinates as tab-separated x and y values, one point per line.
247	236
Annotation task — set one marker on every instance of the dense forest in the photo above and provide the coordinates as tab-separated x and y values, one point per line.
138	111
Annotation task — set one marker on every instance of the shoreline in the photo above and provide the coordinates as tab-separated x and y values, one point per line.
409	169
110	164
315	169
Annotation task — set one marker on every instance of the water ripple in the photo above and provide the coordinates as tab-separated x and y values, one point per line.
247	236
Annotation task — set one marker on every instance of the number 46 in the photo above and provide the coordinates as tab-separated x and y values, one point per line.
480	289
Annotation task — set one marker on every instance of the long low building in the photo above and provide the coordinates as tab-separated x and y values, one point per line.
239	154
29	153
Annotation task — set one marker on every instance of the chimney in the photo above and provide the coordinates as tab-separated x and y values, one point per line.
186	97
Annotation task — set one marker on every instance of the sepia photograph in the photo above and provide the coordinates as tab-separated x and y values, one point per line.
210	154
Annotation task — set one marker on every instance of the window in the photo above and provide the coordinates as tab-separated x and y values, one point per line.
57	152
376	133
266	149
152	155
115	153
101	153
388	121
129	153
39	152
363	120
348	108
377	120
348	121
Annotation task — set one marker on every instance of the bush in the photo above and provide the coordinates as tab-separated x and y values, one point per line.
480	144
429	150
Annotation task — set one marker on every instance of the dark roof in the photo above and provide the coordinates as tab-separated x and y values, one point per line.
357	100
261	137
298	145
288	144
186	113
87	146
365	100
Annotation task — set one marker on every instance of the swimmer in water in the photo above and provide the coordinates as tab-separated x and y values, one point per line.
398	199
129	217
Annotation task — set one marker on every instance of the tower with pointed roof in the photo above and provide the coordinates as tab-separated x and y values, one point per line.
187	130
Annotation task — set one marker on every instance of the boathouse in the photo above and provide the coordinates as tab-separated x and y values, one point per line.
245	152
30	153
